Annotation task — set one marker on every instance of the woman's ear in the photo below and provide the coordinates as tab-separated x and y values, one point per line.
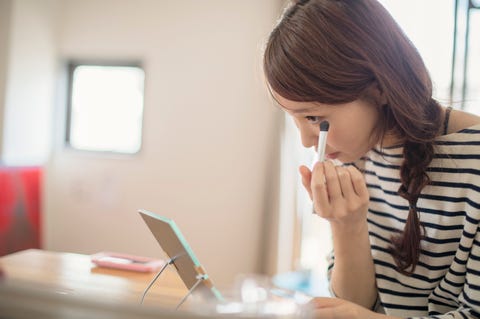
375	95
378	94
382	98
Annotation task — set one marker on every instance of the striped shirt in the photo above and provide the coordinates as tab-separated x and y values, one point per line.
446	281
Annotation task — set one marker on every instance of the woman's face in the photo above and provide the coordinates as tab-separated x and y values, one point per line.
352	126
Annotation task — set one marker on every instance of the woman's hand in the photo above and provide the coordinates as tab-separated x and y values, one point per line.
339	193
326	308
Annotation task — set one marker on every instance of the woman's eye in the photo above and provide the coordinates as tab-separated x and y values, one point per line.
313	119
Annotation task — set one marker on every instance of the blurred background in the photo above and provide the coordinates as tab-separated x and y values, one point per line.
109	106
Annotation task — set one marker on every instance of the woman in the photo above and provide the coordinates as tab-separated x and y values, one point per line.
404	209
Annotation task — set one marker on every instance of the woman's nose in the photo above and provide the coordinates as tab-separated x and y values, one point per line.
309	137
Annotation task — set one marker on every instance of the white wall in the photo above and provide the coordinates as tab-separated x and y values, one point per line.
209	143
5	13
29	82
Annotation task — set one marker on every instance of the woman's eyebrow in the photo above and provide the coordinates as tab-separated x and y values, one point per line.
282	107
297	111
305	110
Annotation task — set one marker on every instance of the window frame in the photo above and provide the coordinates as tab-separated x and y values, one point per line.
71	65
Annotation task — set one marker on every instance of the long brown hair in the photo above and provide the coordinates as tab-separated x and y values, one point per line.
332	52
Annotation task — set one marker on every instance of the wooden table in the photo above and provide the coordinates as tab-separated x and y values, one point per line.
50	285
75	275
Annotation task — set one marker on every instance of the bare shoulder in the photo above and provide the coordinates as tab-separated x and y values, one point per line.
460	120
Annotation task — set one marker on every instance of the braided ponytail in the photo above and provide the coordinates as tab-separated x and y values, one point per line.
418	152
406	246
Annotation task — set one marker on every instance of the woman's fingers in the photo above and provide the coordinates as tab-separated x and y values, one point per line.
346	183
333	183
306	178
336	191
323	302
358	182
325	308
320	191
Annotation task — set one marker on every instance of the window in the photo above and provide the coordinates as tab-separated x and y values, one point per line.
465	71
105	107
437	54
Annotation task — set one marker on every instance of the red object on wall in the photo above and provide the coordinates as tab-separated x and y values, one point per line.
20	190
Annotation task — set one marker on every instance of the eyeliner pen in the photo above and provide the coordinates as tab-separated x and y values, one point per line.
322	143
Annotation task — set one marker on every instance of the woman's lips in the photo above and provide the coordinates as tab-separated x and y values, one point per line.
332	156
